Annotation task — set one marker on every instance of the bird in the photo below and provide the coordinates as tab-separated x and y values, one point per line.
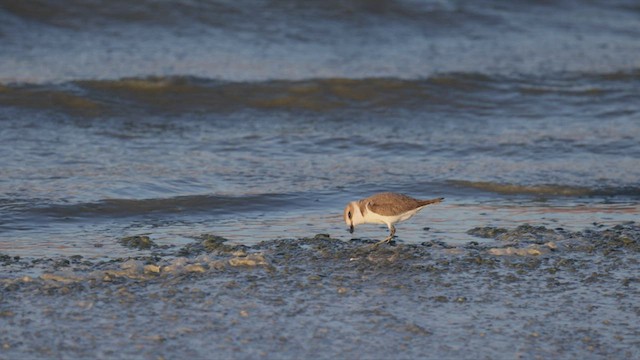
384	208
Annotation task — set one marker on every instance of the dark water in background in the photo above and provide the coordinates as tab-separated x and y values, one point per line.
261	120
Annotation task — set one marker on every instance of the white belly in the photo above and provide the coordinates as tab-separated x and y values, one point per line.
373	218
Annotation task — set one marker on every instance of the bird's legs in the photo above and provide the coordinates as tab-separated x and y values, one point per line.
392	232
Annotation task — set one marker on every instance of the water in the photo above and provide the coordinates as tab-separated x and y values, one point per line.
187	154
259	121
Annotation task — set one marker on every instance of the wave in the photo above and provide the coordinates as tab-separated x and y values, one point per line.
455	91
230	15
211	204
194	94
45	41
546	190
268	17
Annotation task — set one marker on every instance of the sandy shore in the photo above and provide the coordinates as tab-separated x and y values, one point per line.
525	293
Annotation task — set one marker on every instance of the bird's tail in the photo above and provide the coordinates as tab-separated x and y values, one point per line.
430	201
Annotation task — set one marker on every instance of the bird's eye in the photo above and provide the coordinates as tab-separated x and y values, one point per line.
349	214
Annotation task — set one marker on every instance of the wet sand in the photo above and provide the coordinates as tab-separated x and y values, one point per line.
527	292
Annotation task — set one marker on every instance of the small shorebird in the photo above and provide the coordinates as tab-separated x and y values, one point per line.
384	208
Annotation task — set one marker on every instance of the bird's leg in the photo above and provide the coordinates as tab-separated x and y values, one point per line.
392	232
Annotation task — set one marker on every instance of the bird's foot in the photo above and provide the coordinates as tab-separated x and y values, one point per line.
385	241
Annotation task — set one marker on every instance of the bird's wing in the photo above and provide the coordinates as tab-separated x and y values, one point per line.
389	204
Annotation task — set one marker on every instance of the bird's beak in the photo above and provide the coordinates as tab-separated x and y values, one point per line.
351	229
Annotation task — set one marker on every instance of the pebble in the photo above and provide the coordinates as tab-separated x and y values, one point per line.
533	251
152	268
249	260
60	278
195	268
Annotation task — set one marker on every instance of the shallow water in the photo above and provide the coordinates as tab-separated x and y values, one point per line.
282	164
259	122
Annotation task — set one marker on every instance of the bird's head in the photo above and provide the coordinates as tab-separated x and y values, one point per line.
353	215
